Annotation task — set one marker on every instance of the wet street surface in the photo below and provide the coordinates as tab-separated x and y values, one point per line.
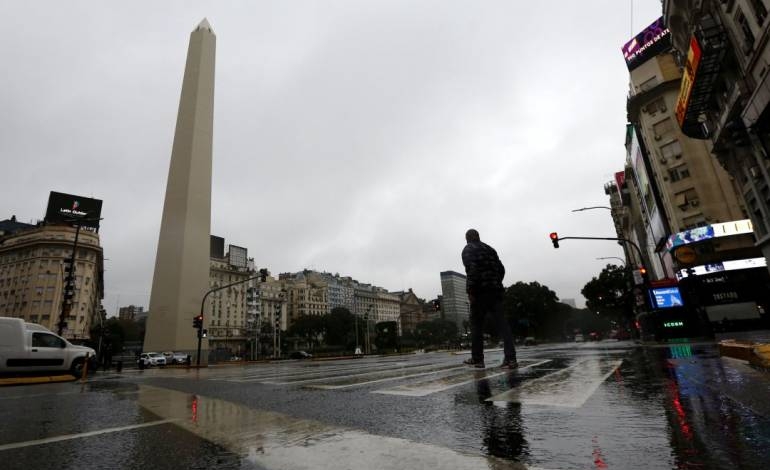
569	406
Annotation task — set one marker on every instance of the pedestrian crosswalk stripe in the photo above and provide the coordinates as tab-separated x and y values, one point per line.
286	373
570	387
421	389
384	379
382	373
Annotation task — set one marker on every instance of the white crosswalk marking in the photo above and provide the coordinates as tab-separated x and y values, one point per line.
570	387
421	389
397	372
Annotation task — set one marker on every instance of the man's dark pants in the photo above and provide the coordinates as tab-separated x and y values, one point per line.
484	304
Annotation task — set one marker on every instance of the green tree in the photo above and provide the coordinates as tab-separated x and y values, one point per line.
609	295
309	327
339	327
435	332
531	306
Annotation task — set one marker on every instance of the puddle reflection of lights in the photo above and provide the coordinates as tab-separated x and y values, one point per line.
681	351
194	409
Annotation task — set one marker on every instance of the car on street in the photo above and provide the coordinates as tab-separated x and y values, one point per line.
579	338
29	347
150	359
300	355
175	357
530	341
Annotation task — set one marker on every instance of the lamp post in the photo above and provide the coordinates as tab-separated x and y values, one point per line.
69	280
367	338
615	257
592	207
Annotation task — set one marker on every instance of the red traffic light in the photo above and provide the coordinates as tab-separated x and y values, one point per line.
555	239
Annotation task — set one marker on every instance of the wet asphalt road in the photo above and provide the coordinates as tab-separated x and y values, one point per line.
570	406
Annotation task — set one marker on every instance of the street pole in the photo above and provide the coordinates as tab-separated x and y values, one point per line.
203	305
356	317
69	285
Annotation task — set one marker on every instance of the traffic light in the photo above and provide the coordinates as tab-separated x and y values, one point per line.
555	239
204	333
437	305
198	322
263	275
643	272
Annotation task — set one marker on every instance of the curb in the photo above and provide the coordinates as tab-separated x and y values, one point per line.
7	381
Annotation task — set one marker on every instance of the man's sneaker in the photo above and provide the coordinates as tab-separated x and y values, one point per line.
509	364
473	362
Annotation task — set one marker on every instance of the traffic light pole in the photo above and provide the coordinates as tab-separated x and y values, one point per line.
645	280
624	240
203	304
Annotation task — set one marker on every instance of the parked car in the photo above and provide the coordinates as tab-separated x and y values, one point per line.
175	357
300	355
29	347
579	337
530	341
150	359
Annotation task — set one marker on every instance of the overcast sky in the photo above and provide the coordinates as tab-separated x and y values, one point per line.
356	137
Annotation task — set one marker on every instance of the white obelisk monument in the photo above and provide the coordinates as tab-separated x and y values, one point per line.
182	263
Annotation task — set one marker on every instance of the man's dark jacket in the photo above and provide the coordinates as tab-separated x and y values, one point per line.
483	267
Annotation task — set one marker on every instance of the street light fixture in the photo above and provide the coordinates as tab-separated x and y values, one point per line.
614	257
592	207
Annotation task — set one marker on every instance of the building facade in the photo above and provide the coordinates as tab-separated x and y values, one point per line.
455	306
230	311
32	261
723	48
131	313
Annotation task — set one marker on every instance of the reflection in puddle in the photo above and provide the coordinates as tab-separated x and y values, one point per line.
275	440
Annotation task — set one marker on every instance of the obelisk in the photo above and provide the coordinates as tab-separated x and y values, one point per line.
181	276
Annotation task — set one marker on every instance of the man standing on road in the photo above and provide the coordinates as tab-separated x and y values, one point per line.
485	289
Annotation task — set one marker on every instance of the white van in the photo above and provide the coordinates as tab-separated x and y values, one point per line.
27	347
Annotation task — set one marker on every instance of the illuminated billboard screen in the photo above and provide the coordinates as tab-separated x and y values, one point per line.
71	209
238	256
666	297
653	40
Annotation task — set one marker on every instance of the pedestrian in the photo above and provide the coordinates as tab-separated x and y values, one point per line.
484	285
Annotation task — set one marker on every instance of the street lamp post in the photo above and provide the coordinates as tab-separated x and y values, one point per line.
592	207
615	257
368	339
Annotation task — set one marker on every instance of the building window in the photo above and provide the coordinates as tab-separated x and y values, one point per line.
671	150
760	12
663	127
748	35
679	173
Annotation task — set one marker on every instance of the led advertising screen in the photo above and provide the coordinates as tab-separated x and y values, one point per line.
71	209
238	256
653	40
666	297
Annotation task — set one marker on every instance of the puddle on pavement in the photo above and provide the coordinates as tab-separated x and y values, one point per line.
277	441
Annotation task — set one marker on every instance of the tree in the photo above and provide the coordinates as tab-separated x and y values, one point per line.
309	327
339	327
435	332
609	294
529	306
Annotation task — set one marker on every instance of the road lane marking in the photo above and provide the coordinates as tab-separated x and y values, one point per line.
570	387
385	379
364	374
305	373
274	440
421	389
66	437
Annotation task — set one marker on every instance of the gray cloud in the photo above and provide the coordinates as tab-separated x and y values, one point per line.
357	137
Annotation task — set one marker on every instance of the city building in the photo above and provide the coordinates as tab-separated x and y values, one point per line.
32	276
181	276
230	310
455	306
132	313
673	189
411	311
723	99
